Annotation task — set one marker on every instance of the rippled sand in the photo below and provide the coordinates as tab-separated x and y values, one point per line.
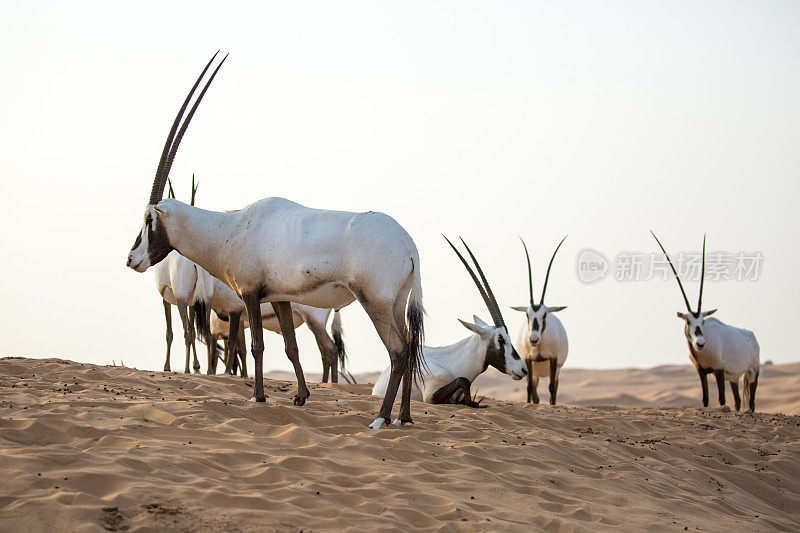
88	448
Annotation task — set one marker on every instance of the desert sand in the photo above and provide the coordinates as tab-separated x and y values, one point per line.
93	448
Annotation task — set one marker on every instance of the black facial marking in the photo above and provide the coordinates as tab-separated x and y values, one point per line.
544	322
138	241
697	331
158	246
535	326
496	355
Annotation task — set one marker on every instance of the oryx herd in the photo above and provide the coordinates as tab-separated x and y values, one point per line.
277	264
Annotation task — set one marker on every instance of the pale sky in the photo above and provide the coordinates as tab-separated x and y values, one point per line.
488	120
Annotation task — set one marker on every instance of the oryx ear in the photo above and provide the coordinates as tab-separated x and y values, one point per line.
472	327
709	313
479	321
556	309
521	308
162	207
682	316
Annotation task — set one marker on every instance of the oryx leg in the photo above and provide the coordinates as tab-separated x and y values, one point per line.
553	385
720	375
242	350
188	331
253	305
398	356
286	320
210	343
327	349
704	384
753	386
168	315
447	393
735	390
233	338
196	364
533	383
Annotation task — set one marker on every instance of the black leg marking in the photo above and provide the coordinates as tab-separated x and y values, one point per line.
735	390
188	333
720	375
284	312
753	386
253	304
446	393
398	368
242	351
704	384
553	385
168	316
233	342
196	363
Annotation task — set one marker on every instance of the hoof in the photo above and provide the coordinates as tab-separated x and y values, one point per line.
400	423
749	412
378	424
725	409
299	400
166	369
259	399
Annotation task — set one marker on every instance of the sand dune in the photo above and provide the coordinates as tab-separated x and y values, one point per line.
88	448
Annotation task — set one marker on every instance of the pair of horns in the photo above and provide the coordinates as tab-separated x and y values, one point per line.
547	276
702	276
175	134
171	193
483	288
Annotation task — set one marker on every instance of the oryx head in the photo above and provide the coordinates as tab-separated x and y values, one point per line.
537	313
694	319
152	244
500	352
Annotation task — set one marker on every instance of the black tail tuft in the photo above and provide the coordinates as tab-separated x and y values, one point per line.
337	332
416	360
201	323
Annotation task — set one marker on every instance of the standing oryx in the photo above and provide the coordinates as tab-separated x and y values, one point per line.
180	283
277	251
450	370
331	347
717	348
542	340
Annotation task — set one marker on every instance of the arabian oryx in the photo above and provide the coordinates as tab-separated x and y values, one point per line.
450	370
542	340
331	347
277	251
180	283
717	348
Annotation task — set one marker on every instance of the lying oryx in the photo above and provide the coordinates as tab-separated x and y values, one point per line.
450	370
278	251
542	340
717	348
331	347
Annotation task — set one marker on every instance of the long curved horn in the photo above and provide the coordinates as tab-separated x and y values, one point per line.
171	193
158	184
189	116
496	317
530	272
171	146
702	277
685	299
194	188
547	277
